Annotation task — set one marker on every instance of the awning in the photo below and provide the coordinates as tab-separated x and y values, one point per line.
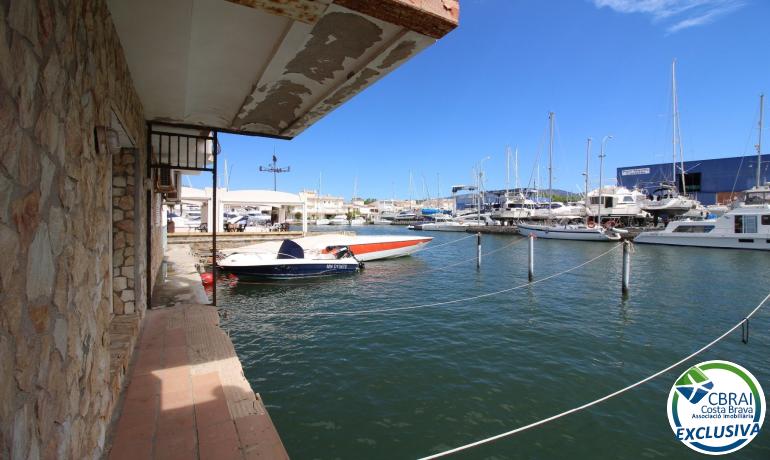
267	67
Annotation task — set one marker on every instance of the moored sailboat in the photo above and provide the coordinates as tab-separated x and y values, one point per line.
567	230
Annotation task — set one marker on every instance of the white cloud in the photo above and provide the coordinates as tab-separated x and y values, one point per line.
676	14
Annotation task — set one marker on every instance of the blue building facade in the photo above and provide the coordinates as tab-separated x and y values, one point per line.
710	181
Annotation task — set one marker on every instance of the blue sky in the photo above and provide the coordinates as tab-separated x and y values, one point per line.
603	66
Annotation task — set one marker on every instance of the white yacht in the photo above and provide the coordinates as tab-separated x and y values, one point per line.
358	221
558	210
339	219
666	199
451	226
515	207
476	219
747	226
441	223
617	203
322	221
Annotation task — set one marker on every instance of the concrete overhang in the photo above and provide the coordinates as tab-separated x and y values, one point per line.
267	67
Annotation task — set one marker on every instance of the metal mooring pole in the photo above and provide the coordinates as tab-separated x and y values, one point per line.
478	250
626	266
531	257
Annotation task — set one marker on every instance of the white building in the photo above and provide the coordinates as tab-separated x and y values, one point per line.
324	206
280	206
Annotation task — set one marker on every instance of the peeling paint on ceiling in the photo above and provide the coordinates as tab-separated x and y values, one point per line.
280	66
335	38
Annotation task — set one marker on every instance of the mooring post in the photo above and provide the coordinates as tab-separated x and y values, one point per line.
626	266
531	257
478	250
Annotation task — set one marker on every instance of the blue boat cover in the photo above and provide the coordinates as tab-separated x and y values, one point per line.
290	250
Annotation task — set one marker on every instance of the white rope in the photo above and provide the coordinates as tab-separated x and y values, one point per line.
426	248
444	267
446	302
603	398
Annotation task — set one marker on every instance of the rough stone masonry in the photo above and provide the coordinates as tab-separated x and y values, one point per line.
62	75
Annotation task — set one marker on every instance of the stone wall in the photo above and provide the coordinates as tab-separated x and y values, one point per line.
62	74
124	234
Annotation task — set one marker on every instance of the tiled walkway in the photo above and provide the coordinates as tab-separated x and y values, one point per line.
187	397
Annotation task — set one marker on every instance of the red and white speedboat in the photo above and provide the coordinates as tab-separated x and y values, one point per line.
364	247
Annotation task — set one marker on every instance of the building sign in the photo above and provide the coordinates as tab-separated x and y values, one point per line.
635	171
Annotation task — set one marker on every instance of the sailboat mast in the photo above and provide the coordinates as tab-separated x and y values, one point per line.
507	169
759	142
516	167
550	163
677	130
673	120
588	162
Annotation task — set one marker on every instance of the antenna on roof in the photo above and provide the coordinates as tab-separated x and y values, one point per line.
273	168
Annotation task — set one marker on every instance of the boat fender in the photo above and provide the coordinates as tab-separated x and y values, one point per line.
591	224
609	224
207	279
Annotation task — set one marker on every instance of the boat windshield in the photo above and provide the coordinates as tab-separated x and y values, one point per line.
694	229
758	197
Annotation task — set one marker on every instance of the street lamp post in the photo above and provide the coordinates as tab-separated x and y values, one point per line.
601	170
480	187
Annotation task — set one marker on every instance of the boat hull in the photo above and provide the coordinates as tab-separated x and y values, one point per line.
574	234
364	247
279	270
374	250
440	227
744	241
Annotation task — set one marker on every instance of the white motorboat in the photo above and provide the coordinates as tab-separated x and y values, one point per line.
667	200
450	226
358	221
339	219
617	203
745	226
290	261
364	247
515	207
476	220
322	222
558	210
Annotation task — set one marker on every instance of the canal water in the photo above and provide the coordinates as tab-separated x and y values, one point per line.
411	382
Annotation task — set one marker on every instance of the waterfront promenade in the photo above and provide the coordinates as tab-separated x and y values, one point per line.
186	395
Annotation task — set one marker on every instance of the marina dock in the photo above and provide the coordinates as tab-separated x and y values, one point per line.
186	395
511	230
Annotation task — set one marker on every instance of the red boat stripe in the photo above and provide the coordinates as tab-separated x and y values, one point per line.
375	247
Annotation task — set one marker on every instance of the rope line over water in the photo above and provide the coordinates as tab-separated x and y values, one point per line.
603	398
434	246
444	267
446	302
